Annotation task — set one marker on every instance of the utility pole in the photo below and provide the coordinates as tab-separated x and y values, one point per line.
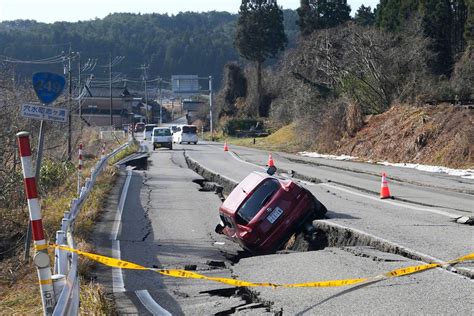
69	129
161	104
144	67
110	89
210	107
79	89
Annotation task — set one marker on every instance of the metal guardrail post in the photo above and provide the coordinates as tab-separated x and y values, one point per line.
41	258
61	265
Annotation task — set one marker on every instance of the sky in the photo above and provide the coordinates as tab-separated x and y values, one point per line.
50	11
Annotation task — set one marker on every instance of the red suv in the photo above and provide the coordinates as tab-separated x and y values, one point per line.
263	211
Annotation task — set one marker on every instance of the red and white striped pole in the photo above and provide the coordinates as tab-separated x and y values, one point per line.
79	171
41	258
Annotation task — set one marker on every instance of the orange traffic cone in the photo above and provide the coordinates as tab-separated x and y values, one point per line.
384	191
270	162
226	148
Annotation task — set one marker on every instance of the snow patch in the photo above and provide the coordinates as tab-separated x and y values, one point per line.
316	155
463	173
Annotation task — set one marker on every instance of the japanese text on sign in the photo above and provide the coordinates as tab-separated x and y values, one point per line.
42	112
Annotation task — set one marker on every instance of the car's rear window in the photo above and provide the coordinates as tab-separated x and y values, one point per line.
162	132
149	128
257	200
190	129
139	127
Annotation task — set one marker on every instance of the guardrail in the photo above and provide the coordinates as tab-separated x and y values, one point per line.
65	278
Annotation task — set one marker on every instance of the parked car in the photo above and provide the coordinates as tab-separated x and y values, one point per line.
185	134
263	211
162	137
148	130
139	127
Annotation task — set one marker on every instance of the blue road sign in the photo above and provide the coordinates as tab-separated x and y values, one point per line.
48	86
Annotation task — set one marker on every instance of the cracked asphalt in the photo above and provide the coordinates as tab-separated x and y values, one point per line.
169	223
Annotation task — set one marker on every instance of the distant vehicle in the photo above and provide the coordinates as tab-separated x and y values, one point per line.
263	211
185	134
162	137
174	128
148	130
139	127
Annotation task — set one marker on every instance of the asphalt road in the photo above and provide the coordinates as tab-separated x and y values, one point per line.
351	196
167	222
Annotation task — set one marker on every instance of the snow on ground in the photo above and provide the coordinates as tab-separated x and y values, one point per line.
463	173
316	155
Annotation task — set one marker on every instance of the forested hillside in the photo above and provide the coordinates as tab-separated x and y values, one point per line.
186	43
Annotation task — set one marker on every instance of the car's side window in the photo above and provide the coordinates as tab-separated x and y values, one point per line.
259	198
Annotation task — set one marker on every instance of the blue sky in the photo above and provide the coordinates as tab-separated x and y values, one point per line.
50	11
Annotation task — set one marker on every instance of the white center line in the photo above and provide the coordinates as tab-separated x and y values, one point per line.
398	204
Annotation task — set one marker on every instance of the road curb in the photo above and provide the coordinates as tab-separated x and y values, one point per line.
338	235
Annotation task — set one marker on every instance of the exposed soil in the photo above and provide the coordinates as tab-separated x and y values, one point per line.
437	135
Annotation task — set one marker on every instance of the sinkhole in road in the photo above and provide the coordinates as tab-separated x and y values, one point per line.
326	234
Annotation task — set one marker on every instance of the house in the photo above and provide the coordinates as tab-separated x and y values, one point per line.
96	105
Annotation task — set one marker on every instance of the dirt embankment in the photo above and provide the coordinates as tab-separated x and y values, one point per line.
437	135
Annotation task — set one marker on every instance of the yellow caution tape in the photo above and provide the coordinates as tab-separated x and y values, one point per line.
117	263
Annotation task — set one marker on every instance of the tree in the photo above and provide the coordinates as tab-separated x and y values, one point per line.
260	34
443	22
391	14
469	27
460	15
364	16
322	14
437	21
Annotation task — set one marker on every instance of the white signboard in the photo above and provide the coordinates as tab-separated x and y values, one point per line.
185	84
42	112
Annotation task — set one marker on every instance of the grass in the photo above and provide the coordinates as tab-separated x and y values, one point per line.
283	139
20	294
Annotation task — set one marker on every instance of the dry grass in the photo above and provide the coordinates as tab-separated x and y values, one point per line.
19	289
283	139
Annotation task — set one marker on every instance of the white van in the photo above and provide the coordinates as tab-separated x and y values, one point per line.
162	137
148	131
185	134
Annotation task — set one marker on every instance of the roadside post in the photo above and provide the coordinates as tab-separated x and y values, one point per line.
41	258
48	86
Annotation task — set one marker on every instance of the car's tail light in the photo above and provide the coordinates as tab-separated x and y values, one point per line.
245	231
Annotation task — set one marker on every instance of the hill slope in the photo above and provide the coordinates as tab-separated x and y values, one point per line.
438	135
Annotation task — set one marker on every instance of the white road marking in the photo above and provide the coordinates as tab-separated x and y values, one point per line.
243	161
118	284
117	275
398	204
385	201
150	304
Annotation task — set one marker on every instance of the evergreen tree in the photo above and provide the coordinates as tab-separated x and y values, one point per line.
321	14
437	21
469	27
260	34
391	14
364	16
460	11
